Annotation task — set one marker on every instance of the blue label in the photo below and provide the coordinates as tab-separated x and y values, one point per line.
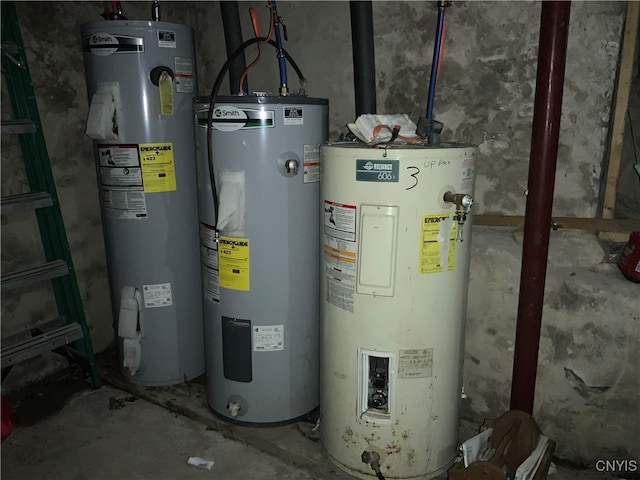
377	170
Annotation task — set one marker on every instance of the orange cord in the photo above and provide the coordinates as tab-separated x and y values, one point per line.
256	31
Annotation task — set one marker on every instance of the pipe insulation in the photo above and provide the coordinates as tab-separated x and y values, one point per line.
233	40
552	53
364	72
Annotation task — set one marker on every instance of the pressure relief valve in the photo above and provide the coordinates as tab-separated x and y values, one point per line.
463	202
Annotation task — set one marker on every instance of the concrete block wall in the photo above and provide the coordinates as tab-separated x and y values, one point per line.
588	382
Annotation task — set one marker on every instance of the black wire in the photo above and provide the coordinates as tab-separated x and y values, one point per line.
633	137
379	474
212	100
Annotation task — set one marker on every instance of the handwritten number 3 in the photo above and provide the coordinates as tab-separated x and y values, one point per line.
414	175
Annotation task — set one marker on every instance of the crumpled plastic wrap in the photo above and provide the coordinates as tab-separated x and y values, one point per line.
374	128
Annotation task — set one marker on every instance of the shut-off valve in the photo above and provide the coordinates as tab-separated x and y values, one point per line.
463	203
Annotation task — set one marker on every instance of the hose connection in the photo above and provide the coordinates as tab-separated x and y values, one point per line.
373	459
463	203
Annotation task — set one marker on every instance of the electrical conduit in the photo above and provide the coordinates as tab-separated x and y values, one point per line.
233	39
364	72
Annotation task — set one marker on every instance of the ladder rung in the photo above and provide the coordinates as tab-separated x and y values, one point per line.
47	326
49	270
25	201
45	342
18	126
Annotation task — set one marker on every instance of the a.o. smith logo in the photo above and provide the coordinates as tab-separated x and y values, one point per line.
226	113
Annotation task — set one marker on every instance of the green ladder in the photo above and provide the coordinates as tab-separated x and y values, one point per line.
68	334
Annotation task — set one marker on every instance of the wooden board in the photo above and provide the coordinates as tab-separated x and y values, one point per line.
616	226
621	106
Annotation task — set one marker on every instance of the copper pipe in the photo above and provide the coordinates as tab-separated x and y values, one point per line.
552	53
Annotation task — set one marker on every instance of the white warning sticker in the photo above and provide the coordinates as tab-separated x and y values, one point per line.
268	339
124	202
208	246
340	220
293	115
184	74
311	163
118	155
468	176
166	39
211	284
415	363
158	295
121	177
208	236
340	288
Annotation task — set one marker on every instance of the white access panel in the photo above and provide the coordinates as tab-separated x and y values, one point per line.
376	265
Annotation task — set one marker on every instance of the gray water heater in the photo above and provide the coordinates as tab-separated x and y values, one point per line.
141	83
260	256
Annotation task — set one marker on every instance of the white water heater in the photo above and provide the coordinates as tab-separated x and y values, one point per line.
260	256
395	258
141	82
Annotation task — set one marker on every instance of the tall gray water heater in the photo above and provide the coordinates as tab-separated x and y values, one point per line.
260	267
141	83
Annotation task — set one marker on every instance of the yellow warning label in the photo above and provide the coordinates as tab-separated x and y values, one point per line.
158	167
165	85
438	249
233	261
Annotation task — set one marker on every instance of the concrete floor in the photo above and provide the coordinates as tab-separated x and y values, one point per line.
88	440
65	430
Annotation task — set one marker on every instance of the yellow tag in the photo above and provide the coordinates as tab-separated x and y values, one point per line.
438	247
233	261
165	85
158	167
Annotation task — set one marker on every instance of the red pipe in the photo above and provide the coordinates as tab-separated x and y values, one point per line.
552	53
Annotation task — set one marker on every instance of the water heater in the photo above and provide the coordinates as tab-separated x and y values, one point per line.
141	83
395	238
260	254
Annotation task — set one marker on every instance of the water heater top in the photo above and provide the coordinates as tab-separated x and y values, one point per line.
262	99
400	145
106	25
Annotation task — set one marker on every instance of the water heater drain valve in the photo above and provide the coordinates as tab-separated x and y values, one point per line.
234	409
372	458
463	202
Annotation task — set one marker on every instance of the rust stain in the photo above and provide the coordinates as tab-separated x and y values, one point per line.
393	447
371	438
411	457
348	436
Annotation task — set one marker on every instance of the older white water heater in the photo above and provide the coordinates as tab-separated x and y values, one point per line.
141	82
260	256
395	238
